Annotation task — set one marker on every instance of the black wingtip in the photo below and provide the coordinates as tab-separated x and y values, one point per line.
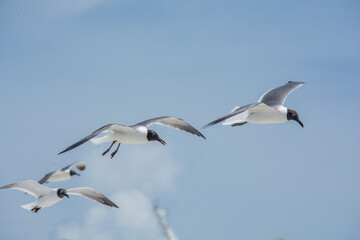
212	123
201	135
296	82
110	203
62	152
206	126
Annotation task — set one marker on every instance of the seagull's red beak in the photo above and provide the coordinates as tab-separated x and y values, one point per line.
160	140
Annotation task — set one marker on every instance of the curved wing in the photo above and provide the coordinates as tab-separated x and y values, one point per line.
171	122
106	128
79	165
234	112
276	96
46	177
91	194
30	187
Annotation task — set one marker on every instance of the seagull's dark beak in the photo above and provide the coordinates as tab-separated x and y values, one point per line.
77	174
301	124
66	195
160	140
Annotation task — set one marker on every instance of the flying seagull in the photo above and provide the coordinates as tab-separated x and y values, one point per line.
138	133
268	109
62	174
47	196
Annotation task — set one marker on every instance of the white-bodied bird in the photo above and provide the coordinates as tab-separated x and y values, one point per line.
138	133
62	174
268	109
47	196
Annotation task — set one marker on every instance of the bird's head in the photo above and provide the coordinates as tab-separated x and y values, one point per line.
153	136
62	193
72	173
293	115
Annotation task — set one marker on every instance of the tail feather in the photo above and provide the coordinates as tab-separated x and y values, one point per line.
99	140
239	118
31	207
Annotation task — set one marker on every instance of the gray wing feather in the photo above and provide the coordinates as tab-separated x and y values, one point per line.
237	111
87	138
79	165
171	122
91	194
277	96
46	177
30	187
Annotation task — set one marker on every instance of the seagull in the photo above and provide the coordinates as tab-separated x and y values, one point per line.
268	109
62	174
47	196
138	133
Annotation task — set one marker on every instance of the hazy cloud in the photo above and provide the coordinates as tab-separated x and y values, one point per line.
130	177
134	219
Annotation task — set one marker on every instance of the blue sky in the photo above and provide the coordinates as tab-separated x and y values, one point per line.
69	67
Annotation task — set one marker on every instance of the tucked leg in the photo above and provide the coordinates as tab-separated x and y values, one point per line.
35	209
108	148
238	124
113	154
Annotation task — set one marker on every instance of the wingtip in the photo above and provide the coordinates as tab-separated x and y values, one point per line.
207	125
199	134
296	82
61	152
202	136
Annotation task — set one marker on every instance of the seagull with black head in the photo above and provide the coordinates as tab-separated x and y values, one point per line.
268	109
134	134
47	197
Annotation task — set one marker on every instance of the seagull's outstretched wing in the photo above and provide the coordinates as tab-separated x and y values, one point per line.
107	128
276	96
46	177
232	113
30	187
79	165
171	122
91	194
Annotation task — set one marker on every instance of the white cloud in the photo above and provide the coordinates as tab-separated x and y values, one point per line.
133	220
136	215
150	169
127	180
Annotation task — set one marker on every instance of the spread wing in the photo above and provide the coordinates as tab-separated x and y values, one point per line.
30	187
79	165
171	122
234	112
91	194
276	96
104	129
46	177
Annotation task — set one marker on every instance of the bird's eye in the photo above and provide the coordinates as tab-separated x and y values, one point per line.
293	115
